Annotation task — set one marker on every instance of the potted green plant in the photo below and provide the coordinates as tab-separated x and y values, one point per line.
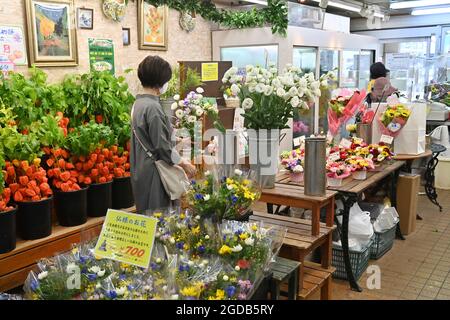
7	213
88	145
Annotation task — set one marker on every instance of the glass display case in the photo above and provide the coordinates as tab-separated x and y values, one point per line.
255	55
349	73
305	58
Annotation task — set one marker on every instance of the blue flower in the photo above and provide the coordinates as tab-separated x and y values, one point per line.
234	199
223	179
180	245
238	232
130	287
198	196
230	290
34	285
111	294
122	277
154	266
184	268
84	270
201	249
193	182
92	276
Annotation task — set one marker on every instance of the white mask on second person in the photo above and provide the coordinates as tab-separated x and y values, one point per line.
164	88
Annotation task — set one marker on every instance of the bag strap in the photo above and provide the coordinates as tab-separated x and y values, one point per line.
149	154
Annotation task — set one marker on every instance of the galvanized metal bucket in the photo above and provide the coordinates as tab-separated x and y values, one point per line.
315	175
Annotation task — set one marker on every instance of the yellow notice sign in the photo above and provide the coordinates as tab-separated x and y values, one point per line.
210	72
127	238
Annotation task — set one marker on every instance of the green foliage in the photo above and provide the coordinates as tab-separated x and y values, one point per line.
31	98
86	138
48	131
2	165
275	14
96	93
18	146
192	81
122	129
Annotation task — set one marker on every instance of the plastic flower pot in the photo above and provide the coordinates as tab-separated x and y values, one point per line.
360	175
34	219
71	207
99	199
122	193
8	230
296	177
334	182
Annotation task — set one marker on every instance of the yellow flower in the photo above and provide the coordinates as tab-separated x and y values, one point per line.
254	228
220	294
230	181
186	247
243	236
192	291
206	183
157	214
160	282
225	250
196	230
182	216
246	182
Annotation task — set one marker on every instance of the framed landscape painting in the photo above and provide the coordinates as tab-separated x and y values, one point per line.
51	33
153	32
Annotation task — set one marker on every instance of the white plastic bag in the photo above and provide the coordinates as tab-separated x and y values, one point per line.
386	220
360	228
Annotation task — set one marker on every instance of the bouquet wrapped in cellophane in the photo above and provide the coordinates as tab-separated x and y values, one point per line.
192	258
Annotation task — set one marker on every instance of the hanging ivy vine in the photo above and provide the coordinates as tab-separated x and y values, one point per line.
274	14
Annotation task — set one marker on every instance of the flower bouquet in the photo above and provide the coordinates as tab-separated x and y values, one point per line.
231	92
293	162
342	108
359	166
394	119
336	173
379	153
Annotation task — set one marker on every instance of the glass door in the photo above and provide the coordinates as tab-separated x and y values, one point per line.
329	61
366	59
349	77
446	47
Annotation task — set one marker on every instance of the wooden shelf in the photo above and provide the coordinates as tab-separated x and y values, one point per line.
315	278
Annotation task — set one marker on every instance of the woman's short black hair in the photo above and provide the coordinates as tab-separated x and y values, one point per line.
154	72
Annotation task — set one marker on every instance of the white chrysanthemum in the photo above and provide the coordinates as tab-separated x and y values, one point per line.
247	103
174	106
42	275
199	112
237	248
179	113
235	89
295	101
249	241
281	92
200	90
176	97
192	119
181	103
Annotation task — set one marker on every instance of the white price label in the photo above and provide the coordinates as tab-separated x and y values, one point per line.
297	142
334	156
345	143
386	139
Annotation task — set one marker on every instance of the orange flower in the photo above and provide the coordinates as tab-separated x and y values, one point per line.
47	27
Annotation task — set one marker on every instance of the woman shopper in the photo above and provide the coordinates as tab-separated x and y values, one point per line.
152	132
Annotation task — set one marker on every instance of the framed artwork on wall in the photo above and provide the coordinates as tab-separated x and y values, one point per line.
85	18
52	38
152	27
126	36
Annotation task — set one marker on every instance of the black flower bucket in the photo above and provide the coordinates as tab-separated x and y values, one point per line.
122	193
8	231
99	199
34	219
71	207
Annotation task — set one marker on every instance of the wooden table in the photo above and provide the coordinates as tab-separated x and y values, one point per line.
350	192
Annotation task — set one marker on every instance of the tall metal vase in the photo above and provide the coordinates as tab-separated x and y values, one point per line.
264	150
315	175
364	131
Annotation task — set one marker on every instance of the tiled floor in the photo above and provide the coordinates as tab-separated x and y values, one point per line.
417	268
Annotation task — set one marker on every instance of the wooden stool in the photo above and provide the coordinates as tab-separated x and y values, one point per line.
284	270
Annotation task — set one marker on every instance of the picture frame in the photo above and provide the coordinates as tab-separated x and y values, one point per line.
85	18
152	27
126	36
51	33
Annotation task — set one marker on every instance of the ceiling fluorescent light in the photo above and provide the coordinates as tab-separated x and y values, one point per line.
342	6
261	2
417	3
420	12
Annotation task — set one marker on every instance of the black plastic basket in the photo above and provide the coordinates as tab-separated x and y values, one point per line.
359	261
382	243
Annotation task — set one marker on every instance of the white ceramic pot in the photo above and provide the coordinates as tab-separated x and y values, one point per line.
360	175
333	182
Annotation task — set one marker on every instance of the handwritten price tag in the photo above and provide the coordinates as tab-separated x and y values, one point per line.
345	143
334	156
297	142
386	139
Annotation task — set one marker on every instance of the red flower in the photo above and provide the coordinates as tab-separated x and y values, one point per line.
243	264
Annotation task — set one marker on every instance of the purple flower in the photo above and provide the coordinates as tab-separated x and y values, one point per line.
198	196
193	182
111	294
183	268
122	277
201	249
180	245
92	276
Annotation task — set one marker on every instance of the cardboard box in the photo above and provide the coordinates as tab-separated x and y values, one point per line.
407	198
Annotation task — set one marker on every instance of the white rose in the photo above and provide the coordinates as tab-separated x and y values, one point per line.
174	106
225	278
176	97
235	89
192	119
260	88
237	268
295	101
252	88
238	172
298	169
268	90
206	197
207	237
237	248
179	113
249	241
293	92
199	112
302	83
247	103
276	83
200	90
181	103
281	92
42	275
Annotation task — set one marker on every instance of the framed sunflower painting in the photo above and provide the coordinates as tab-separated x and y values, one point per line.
153	32
52	39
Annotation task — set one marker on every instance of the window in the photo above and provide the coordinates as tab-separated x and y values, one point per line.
254	55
